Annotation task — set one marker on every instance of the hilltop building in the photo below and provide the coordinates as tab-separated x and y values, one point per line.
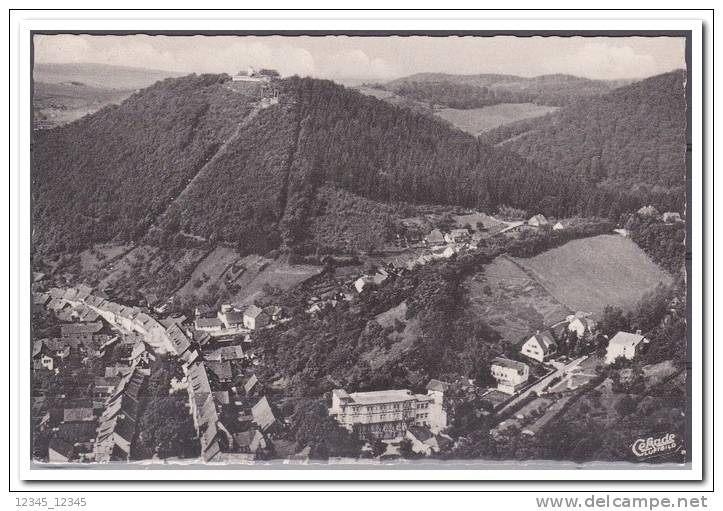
251	75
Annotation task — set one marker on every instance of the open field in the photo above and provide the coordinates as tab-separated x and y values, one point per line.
209	271
263	274
55	104
588	274
479	120
511	301
145	270
93	260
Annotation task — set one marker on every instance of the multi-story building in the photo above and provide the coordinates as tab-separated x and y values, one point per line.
386	414
510	374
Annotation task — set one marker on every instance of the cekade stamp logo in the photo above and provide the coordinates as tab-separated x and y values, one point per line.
646	448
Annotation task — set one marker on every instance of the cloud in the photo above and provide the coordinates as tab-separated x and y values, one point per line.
375	58
605	60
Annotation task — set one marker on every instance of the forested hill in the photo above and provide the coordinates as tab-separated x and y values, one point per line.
192	156
197	156
632	138
474	91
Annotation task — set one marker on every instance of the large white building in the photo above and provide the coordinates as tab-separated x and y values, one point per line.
386	414
510	374
624	344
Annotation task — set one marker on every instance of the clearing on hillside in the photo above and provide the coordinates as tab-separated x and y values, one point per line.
511	301
478	120
590	273
209	271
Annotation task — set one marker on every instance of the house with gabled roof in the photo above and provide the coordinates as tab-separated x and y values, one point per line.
208	324
80	329
538	220
231	318
263	415
423	440
540	347
624	345
252	385
178	339
581	323
60	451
435	237
254	317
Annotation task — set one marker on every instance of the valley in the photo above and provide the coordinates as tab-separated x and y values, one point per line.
291	239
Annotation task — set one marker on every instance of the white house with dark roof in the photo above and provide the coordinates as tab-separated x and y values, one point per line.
625	345
539	347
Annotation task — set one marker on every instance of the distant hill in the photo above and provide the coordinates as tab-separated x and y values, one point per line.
100	75
193	155
632	138
196	157
55	104
475	91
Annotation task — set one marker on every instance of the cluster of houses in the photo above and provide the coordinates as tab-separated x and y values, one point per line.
211	370
540	220
513	375
231	412
231	320
100	426
395	414
233	423
118	423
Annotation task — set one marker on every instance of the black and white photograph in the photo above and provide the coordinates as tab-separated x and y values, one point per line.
359	249
364	251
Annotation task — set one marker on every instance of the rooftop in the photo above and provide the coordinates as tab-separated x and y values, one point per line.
512	364
625	339
382	396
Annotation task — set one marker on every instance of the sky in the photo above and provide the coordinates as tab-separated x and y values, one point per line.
374	58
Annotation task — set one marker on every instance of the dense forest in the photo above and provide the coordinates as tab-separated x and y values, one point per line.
632	138
475	91
193	156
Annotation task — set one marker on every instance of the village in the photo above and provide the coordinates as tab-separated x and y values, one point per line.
235	415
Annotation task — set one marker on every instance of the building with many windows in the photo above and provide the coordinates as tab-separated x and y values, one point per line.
510	374
386	414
